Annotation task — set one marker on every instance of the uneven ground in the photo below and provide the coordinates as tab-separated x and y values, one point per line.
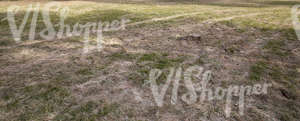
242	43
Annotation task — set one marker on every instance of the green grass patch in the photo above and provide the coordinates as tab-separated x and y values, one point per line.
261	70
122	56
107	108
149	61
257	71
36	101
84	71
276	47
84	112
160	61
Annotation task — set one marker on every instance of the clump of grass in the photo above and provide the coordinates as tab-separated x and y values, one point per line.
149	57
6	42
86	108
261	70
160	61
199	61
146	62
228	23
275	47
73	39
62	77
107	109
137	78
292	74
275	73
84	71
84	112
283	116
122	56
6	94
36	101
289	33
257	70
149	61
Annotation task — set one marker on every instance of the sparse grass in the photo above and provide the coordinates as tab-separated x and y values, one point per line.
149	57
290	34
231	50
84	112
6	42
122	56
108	108
90	110
276	47
263	70
37	101
85	71
257	71
289	113
139	77
285	117
160	61
149	61
199	61
267	20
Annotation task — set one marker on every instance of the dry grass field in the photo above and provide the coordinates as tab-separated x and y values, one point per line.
241	42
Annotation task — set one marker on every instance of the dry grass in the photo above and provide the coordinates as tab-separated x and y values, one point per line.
54	80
